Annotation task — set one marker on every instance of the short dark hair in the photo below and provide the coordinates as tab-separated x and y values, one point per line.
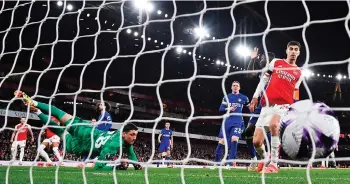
293	43
128	127
236	82
107	105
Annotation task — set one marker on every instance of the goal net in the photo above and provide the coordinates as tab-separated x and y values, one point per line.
155	62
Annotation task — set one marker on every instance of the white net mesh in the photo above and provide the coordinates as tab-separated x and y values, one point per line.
66	43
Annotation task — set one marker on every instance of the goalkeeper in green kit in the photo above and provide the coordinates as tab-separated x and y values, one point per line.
79	141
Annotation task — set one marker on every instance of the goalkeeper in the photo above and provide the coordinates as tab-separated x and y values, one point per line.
79	141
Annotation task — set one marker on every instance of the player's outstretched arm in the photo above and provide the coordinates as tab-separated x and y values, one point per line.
102	157
132	156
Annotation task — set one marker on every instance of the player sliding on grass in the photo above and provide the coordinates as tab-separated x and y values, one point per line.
79	141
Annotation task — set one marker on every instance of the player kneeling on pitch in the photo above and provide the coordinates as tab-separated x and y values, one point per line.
78	140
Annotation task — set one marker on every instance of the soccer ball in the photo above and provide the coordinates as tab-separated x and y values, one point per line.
304	121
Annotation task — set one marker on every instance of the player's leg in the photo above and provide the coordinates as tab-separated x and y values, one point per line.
56	112
219	150
249	135
14	147
221	144
258	142
168	156
79	131
55	144
22	145
45	118
42	152
277	112
235	134
334	163
233	149
160	152
275	140
258	137
249	138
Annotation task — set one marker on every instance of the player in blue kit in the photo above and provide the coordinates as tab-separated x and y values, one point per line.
105	117
105	123
166	143
234	124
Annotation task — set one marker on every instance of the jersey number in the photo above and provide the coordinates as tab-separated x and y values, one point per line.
238	130
101	141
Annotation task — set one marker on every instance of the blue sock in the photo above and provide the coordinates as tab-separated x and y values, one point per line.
251	148
167	158
159	160
233	151
218	152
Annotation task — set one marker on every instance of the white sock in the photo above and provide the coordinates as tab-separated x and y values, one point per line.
13	153
261	151
275	144
57	153
254	158
38	112
21	154
35	103
43	153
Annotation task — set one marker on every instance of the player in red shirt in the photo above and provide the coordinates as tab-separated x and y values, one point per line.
19	138
51	140
283	77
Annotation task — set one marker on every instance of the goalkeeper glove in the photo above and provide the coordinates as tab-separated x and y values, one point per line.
137	167
122	166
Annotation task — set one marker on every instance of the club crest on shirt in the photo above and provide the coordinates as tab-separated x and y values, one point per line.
239	99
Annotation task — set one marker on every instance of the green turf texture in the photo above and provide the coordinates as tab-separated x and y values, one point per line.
44	175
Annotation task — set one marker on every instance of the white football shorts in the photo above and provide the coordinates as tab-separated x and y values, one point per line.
52	139
268	112
21	144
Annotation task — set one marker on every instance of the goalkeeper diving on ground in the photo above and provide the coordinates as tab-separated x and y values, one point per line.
81	135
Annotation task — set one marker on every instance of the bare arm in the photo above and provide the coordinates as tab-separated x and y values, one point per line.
13	135
296	90
172	140
31	132
253	59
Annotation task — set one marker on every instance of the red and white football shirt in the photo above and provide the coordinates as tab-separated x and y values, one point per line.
22	130
284	79
49	133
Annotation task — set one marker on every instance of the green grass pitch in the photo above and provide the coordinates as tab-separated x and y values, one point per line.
66	175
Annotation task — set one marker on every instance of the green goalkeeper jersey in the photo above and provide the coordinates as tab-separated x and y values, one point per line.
83	138
80	142
108	143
